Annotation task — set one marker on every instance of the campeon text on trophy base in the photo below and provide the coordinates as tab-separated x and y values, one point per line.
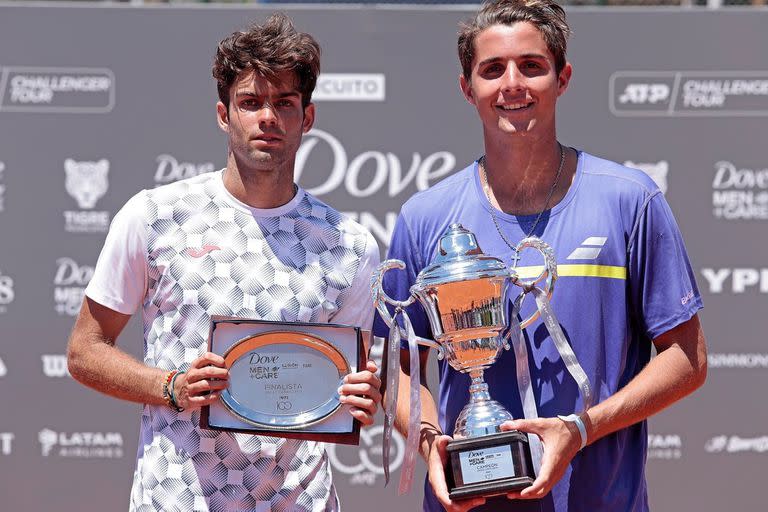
464	293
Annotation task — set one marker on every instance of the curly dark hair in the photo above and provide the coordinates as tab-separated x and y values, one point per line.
268	49
546	15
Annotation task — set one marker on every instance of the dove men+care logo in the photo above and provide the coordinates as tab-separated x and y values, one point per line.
379	175
739	192
86	182
69	283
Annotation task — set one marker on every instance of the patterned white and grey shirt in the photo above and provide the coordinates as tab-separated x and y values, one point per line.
189	250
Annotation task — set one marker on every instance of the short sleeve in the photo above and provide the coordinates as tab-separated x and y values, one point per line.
119	280
397	283
357	308
662	283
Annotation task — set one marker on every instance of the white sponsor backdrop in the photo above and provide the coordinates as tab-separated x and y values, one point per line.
97	103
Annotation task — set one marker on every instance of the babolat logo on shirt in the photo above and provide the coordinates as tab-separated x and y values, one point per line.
689	93
86	182
86	445
57	90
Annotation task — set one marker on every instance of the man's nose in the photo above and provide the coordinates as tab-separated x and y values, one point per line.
266	115
513	79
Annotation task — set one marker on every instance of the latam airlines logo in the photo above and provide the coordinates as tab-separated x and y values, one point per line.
69	285
170	169
57	90
6	292
656	170
689	93
6	443
85	445
364	462
86	182
665	446
737	444
55	365
736	280
739	193
380	173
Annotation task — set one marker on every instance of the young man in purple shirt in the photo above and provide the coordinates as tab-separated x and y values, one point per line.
625	284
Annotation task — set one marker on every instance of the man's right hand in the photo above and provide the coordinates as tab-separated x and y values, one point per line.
202	383
436	463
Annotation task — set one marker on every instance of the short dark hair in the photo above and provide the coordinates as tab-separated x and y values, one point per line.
546	15
268	49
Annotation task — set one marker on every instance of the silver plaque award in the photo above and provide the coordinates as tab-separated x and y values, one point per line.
284	378
465	295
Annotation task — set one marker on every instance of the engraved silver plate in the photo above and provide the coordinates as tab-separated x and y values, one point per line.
283	379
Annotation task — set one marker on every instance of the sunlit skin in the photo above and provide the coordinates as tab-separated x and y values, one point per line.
264	124
515	87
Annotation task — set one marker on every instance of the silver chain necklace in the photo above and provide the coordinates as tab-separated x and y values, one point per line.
487	191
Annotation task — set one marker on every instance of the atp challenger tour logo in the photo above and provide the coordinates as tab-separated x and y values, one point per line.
372	172
86	445
57	90
739	193
69	283
86	182
689	93
364	462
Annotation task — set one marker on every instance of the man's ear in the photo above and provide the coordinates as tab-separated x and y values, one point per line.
564	78
466	89
309	118
222	116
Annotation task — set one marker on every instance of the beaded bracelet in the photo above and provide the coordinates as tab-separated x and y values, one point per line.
168	391
172	392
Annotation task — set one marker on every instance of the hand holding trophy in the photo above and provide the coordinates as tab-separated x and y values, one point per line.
463	292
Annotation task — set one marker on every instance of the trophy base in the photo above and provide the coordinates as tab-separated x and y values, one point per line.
489	465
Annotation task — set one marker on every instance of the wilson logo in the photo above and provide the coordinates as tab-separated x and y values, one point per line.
55	365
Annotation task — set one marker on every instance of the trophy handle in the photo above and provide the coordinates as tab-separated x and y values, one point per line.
548	274
381	299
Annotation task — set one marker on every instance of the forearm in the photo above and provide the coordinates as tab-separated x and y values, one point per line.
429	427
100	365
678	370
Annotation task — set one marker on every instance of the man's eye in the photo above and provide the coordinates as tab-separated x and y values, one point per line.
284	103
248	104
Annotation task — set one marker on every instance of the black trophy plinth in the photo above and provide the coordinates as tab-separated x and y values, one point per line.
489	465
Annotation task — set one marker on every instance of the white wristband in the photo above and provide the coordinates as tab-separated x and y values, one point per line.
576	419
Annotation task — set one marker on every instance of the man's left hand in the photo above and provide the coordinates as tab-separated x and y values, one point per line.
561	441
361	390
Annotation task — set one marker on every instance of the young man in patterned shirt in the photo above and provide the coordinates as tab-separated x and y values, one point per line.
246	242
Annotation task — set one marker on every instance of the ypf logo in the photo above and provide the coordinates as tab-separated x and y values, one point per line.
169	169
736	280
6	292
55	365
656	170
69	285
360	461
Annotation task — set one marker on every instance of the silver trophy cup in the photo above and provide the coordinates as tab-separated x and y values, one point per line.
465	295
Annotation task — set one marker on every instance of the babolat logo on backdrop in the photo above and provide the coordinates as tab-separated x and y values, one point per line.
55	365
6	443
350	87
169	169
86	445
689	93
2	187
69	285
367	174
736	444
736	280
739	193
57	90
656	170
86	182
364	462
665	446
6	292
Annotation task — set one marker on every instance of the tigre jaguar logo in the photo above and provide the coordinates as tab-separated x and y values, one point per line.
86	181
